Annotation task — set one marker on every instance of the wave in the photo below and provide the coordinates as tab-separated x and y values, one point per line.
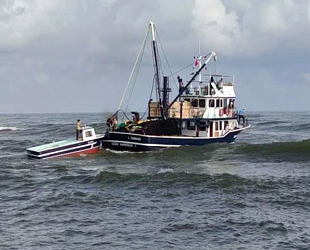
302	127
165	170
223	181
176	178
269	123
289	151
283	126
8	128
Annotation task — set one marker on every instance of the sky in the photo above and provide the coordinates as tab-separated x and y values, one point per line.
77	55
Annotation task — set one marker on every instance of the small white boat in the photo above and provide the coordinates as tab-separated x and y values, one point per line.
89	143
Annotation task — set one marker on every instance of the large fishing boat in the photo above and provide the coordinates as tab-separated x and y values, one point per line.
203	111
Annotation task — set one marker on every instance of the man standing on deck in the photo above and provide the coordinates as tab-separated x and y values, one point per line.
78	129
241	115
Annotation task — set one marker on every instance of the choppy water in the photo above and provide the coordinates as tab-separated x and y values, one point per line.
253	194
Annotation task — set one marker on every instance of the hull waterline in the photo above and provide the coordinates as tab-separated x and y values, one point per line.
137	142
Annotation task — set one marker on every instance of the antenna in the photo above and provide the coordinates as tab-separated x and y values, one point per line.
199	57
199	44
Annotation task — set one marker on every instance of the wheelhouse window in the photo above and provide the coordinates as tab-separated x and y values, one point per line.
225	103
202	126
202	103
211	103
231	103
216	125
88	133
195	103
219	103
191	125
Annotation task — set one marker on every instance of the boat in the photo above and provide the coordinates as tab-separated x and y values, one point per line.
202	112
88	143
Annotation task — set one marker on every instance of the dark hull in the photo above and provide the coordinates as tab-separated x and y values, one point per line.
137	142
80	147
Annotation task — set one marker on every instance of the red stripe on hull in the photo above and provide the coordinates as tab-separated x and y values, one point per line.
85	152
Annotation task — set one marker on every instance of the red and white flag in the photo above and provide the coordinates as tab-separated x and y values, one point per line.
197	62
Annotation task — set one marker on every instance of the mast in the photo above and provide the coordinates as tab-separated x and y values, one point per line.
157	79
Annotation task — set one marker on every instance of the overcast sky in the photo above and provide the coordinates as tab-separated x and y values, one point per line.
77	55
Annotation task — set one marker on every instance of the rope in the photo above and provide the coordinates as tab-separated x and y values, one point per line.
123	113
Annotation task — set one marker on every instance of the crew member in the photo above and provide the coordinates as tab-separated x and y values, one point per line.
135	117
241	115
78	129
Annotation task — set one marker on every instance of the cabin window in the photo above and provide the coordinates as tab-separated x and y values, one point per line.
221	125
202	126
187	100
231	103
202	103
211	103
191	125
195	103
183	125
88	133
216	126
219	103
226	124
225	103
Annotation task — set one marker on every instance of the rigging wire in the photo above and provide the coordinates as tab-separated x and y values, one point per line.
187	66
133	74
123	113
215	70
166	58
150	97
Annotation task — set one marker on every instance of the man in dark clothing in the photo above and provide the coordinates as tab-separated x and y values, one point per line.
241	115
78	129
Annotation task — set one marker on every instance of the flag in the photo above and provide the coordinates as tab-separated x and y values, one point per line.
197	62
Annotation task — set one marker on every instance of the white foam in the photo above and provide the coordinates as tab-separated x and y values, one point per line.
130	152
121	152
9	128
165	170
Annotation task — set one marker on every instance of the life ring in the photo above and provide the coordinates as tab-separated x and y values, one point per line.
221	112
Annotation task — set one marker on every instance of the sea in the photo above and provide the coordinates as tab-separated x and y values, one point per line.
251	194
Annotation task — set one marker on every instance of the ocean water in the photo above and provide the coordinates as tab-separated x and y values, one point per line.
252	194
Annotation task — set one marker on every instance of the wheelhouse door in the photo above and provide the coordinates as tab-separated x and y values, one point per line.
211	129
